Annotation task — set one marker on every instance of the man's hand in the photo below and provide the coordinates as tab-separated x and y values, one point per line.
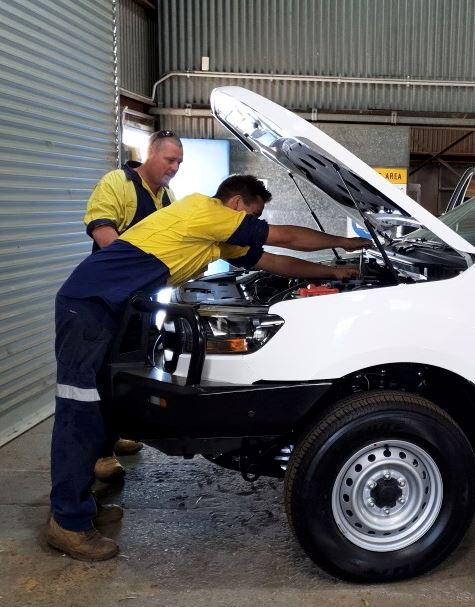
357	243
343	272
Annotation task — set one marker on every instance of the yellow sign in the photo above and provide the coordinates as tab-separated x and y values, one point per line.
394	175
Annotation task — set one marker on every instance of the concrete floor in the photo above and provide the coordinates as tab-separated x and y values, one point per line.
193	535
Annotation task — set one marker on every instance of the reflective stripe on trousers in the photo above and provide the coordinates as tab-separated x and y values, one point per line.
86	395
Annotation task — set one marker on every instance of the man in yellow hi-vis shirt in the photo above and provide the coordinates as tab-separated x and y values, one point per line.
168	247
121	199
124	197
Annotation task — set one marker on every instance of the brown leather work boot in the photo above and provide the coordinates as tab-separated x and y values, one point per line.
87	545
107	513
124	446
109	470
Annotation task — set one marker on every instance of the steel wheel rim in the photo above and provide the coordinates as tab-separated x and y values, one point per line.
387	495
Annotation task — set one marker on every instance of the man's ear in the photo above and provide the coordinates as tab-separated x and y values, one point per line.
234	202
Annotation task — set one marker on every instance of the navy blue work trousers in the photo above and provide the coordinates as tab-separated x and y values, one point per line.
85	330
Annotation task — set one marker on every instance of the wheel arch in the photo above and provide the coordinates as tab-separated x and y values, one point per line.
451	392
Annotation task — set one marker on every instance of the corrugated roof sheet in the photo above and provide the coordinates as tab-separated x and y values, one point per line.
416	40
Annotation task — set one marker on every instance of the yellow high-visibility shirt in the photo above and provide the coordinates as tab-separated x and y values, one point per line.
121	199
170	246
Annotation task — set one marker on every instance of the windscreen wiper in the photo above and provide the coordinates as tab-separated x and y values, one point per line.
369	227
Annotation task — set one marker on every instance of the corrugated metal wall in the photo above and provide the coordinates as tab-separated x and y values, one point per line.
194	128
138	34
381	39
57	126
433	141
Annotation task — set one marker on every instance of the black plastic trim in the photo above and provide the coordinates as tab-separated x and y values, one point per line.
142	309
156	408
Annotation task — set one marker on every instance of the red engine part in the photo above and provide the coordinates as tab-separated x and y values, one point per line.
312	290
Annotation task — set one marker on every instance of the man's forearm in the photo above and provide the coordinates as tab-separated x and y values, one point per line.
306	239
284	265
104	235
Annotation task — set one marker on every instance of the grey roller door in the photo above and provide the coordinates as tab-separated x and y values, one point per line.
57	137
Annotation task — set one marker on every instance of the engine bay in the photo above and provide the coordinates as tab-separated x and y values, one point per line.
411	262
263	288
268	289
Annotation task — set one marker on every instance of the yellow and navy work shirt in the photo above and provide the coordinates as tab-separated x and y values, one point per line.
169	246
121	199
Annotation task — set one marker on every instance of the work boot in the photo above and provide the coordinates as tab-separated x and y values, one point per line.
125	446
87	545
107	513
109	470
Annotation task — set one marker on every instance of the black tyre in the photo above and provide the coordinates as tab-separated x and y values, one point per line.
383	488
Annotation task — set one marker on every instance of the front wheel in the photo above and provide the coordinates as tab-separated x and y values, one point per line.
382	488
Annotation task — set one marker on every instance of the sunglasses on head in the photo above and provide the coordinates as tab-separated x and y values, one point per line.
161	135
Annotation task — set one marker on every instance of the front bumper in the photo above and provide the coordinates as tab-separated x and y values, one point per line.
151	404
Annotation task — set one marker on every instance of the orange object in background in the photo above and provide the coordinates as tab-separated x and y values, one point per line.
311	290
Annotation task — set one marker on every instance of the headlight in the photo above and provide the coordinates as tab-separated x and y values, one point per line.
238	331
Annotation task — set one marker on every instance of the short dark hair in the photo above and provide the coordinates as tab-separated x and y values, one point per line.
248	186
156	138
